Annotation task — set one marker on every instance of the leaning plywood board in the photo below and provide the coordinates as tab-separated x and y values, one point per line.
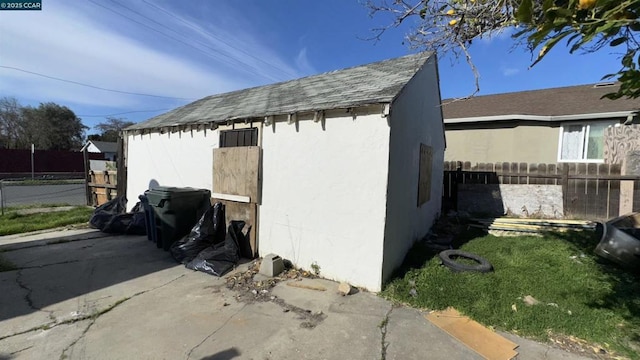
477	337
241	211
236	171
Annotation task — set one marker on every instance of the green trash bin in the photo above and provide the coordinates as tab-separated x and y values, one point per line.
176	211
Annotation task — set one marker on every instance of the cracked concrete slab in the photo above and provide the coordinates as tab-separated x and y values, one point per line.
121	297
15	310
405	323
41	344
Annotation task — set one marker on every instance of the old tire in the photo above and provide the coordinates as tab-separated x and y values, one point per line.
449	258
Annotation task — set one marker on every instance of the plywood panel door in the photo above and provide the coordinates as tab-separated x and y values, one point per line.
236	171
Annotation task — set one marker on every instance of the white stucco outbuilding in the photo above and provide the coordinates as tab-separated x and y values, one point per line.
350	166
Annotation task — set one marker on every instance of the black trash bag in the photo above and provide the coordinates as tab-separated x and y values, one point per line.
111	217
207	232
235	229
105	212
132	223
219	259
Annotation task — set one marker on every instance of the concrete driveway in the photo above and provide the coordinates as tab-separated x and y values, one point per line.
85	295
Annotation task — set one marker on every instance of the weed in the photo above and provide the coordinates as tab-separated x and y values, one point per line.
316	268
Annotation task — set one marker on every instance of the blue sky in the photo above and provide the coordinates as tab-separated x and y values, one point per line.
181	51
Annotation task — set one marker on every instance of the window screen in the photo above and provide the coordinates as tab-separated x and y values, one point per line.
239	137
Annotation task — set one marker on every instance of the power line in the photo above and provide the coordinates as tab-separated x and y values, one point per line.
218	51
123	113
286	72
90	86
179	40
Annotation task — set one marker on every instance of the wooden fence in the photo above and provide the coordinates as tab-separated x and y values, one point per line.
101	186
590	191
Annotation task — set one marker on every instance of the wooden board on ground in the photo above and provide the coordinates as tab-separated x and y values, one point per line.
475	336
241	211
236	171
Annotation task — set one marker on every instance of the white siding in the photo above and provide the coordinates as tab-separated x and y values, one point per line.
93	149
323	196
415	118
182	159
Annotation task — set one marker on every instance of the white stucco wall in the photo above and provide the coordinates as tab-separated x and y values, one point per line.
181	159
324	196
415	118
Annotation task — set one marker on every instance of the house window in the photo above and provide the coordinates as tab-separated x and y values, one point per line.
239	137
583	142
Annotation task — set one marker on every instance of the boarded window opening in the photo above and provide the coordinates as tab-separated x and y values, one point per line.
239	137
424	177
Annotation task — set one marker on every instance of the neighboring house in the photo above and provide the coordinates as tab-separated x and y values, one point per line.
350	168
108	149
569	124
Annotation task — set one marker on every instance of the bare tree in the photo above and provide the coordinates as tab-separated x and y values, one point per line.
110	129
586	25
10	122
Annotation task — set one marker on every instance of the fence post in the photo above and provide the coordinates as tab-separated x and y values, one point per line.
630	166
565	186
121	175
454	186
2	196
85	156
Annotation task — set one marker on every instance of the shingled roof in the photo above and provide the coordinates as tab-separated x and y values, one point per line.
375	83
555	102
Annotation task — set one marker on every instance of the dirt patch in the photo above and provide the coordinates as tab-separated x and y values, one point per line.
581	347
249	291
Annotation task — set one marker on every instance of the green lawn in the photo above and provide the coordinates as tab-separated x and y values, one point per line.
580	295
14	223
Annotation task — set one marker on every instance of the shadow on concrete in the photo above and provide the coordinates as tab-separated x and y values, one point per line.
222	355
63	268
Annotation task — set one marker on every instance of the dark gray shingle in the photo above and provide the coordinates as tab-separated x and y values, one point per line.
572	100
373	83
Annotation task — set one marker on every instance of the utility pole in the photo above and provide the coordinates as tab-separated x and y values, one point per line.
33	150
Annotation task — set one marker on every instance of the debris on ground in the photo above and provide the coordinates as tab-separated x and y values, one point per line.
443	232
243	281
530	300
505	226
306	286
344	289
581	347
272	265
248	290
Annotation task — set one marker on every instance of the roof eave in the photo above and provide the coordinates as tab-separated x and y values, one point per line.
258	118
542	118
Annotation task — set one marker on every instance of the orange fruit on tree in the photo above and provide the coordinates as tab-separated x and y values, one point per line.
586	4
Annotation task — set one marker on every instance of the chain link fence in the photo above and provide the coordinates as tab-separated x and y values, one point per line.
25	192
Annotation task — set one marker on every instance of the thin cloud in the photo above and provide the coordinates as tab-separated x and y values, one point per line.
507	71
86	43
303	63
